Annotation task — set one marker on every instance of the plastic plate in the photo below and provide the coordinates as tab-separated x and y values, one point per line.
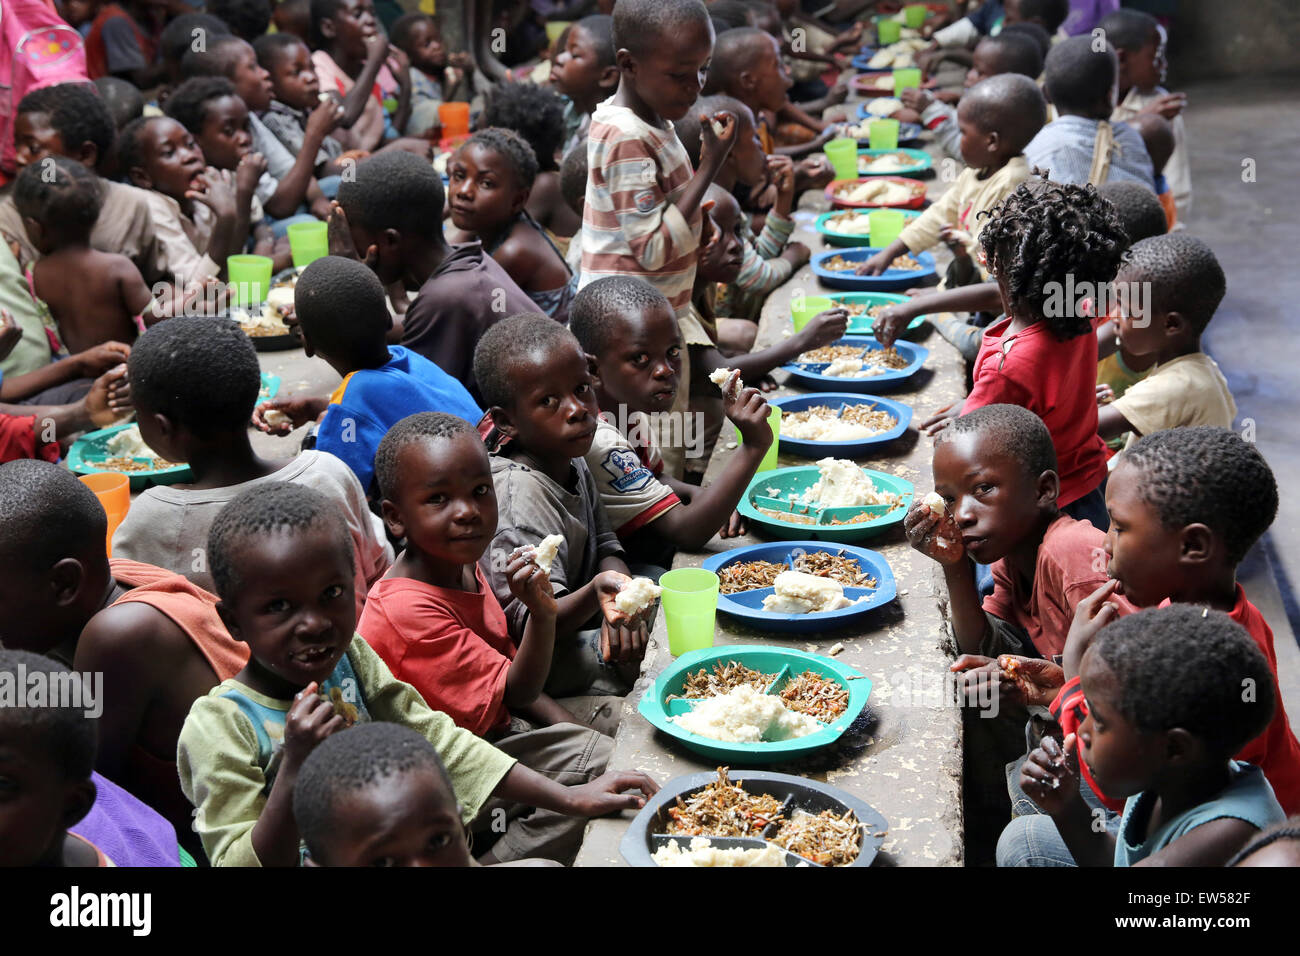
920	162
811	375
863	324
879	83
915	189
89	451
640	841
888	281
781	483
832	237
786	662
748	605
857	448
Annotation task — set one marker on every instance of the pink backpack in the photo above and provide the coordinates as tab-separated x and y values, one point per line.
37	49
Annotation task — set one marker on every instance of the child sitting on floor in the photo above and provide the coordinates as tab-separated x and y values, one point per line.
341	314
348	787
194	383
491	176
59	201
585	71
1158	137
436	76
538	386
1186	285
997	117
309	674
295	115
354	58
1166	714
628	328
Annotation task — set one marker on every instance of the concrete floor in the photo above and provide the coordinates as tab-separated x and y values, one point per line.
1255	232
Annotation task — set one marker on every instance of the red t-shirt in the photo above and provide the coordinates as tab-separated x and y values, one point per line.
1055	380
18	440
1276	751
1070	565
450	645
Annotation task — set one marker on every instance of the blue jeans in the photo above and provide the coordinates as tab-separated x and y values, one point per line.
280	227
1031	838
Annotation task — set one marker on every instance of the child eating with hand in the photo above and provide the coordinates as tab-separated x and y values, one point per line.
353	57
296	99
538	386
282	563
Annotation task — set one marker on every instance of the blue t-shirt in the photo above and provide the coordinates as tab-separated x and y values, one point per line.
1248	797
372	400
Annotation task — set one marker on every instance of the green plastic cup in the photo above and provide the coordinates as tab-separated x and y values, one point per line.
690	604
812	305
769	457
888	31
554	29
308	241
883	133
843	155
886	224
390	105
251	278
906	79
914	15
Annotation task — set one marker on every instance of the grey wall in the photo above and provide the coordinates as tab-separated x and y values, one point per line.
1220	38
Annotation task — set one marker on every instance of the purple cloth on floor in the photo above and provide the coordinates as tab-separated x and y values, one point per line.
128	832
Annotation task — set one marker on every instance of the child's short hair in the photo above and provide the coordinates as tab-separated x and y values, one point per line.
1034	31
1199	474
322	10
178	36
47	515
1044	231
510	341
352	760
395	190
61	731
400	31
272	47
1138	208
422	426
1288	829
130	143
59	193
246	18
216	59
269	507
188	104
640	25
1010	430
594	307
600	27
341	307
1051	12
1014	53
1127	30
733	53
688	127
511	147
201	373
76	112
1157	136
535	113
734	13
124	101
1185	666
1008	103
1184	274
573	177
1078	77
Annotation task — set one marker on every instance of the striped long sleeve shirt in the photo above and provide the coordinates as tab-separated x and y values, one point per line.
629	223
762	269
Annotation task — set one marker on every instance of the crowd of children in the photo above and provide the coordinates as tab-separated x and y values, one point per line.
360	656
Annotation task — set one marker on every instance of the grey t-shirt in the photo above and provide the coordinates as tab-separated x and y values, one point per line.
121	48
530	507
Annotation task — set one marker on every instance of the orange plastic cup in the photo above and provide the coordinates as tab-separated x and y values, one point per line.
114	494
454	118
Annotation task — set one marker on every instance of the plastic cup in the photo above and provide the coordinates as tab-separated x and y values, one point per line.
308	241
883	133
914	15
769	457
554	28
454	118
690	605
885	224
906	79
114	494
888	31
812	305
390	105
843	155
251	277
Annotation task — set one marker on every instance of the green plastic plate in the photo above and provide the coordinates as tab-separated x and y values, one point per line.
863	324
782	482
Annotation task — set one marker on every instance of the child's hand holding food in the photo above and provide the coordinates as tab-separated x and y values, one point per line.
530	584
1090	615
915	98
933	533
824	328
875	265
717	136
311	719
780	174
1050	774
957	240
282	415
748	411
1031	680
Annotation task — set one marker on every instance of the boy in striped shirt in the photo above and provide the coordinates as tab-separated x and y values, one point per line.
644	212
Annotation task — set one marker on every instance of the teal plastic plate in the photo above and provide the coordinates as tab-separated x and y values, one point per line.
91	449
920	161
785	662
772	489
863	324
832	237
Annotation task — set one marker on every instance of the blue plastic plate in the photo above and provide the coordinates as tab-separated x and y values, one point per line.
748	605
890	280
811	377
859	448
769	660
